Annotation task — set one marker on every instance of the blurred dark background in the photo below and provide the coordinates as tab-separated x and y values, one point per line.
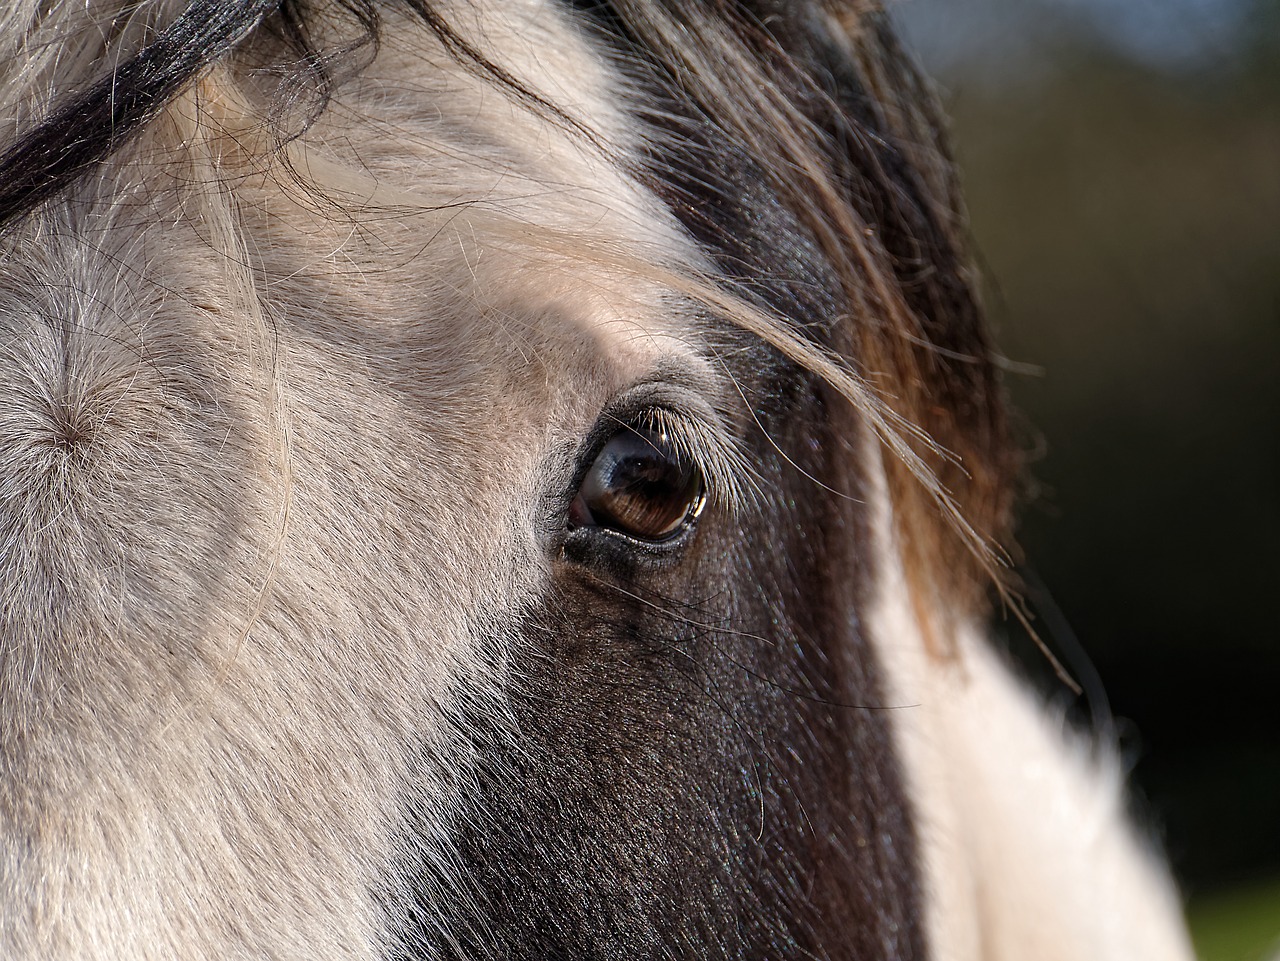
1122	164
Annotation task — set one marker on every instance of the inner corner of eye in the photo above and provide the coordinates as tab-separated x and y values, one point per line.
579	513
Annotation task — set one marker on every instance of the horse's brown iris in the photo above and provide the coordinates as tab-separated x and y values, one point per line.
639	485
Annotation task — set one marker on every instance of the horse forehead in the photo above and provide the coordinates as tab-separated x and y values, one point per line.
477	254
521	201
428	247
410	320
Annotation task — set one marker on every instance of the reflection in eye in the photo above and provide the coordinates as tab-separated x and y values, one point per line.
641	486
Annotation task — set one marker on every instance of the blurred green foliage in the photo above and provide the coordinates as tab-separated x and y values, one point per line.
1129	217
1243	925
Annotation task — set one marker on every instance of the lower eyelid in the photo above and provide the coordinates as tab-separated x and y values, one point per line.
579	513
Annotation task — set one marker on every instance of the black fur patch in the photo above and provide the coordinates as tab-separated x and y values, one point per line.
700	762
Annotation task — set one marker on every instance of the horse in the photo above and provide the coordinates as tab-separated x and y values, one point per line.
489	479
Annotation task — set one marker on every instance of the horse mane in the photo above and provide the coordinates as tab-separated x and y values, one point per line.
818	96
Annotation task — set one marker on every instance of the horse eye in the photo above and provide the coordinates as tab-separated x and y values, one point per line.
641	486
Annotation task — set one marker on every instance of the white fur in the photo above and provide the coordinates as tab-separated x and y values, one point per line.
1027	846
